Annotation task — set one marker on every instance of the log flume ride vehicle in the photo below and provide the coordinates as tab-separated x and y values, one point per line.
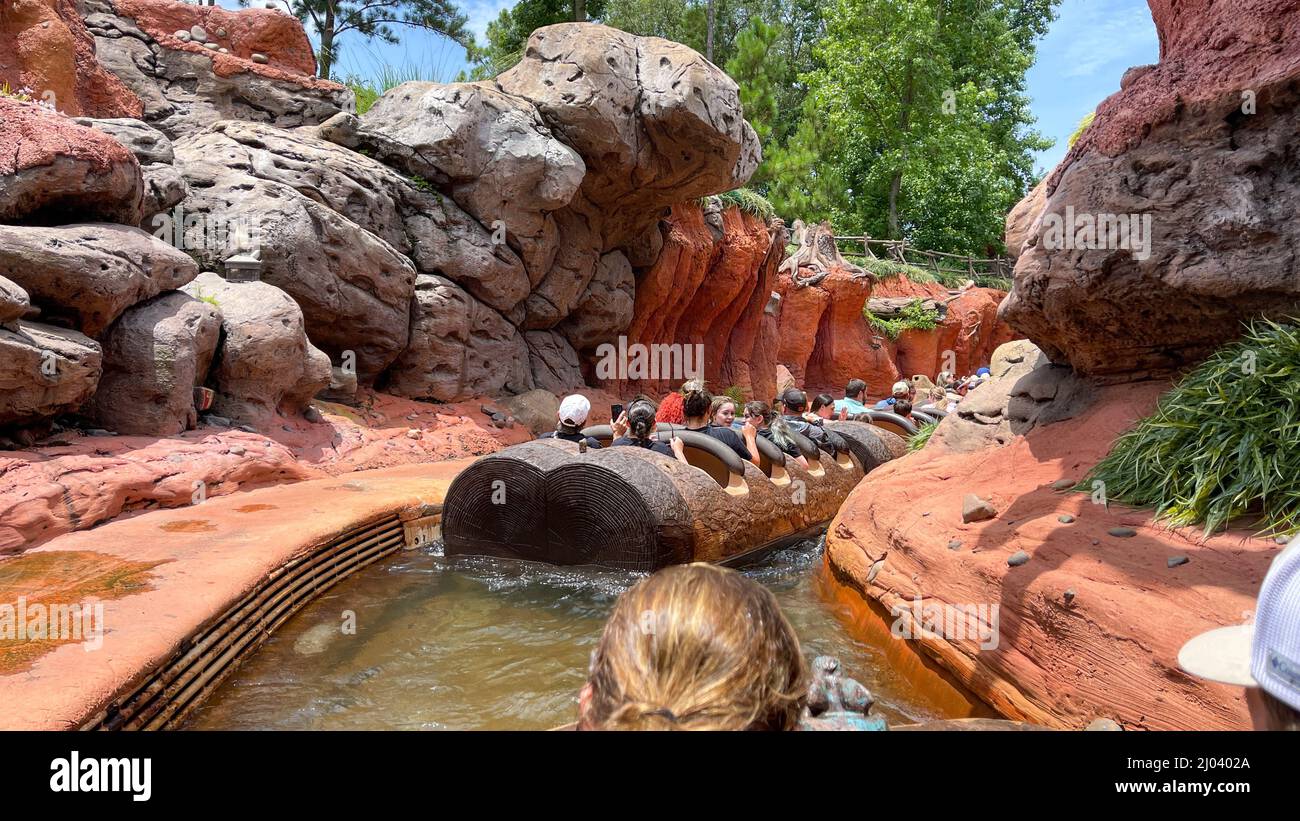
633	509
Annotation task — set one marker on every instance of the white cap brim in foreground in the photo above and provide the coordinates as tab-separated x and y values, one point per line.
1221	655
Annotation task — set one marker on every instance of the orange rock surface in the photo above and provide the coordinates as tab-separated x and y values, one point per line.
1091	625
45	47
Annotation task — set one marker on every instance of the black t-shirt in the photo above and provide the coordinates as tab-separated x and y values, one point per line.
728	437
571	437
649	444
822	438
791	449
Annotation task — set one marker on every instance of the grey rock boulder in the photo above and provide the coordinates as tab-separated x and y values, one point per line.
88	275
154	358
45	371
14	303
148	144
267	364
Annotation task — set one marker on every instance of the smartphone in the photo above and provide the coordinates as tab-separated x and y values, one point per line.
615	411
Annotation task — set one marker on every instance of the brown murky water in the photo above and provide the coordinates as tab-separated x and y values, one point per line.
486	644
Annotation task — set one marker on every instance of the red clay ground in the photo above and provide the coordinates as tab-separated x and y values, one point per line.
162	577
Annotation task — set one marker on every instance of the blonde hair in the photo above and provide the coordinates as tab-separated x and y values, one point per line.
696	647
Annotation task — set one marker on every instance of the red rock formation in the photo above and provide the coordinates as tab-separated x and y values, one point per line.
844	344
55	171
45	47
710	292
1196	154
1091	625
277	36
966	338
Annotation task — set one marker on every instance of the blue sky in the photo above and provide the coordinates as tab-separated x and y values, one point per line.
1079	63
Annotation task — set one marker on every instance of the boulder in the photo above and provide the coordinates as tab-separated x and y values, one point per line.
154	358
14	302
45	371
266	363
1026	391
59	172
654	121
45	47
606	306
89	274
1189	169
185	87
554	364
490	151
536	410
353	287
164	188
459	347
148	144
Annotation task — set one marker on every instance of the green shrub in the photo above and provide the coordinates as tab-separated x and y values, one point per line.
917	440
913	316
751	202
1223	443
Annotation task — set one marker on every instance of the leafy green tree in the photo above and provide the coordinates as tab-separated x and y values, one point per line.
331	19
759	68
508	34
924	104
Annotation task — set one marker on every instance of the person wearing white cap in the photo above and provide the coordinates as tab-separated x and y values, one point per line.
902	391
1263	657
570	419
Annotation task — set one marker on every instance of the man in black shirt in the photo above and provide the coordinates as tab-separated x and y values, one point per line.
571	417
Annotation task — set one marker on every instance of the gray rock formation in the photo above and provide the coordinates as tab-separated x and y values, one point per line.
45	371
154	358
183	92
89	274
266	363
14	303
148	144
1026	390
459	347
354	288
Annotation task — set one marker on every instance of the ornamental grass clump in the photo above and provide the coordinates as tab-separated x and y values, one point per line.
1223	443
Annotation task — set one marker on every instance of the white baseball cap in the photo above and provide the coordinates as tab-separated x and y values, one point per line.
1265	654
574	409
901	388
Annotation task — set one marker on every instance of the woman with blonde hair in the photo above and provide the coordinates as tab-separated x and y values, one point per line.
695	647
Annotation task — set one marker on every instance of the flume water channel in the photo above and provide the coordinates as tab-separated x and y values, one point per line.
469	643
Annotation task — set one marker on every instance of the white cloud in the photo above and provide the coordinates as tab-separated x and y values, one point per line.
482	12
1099	36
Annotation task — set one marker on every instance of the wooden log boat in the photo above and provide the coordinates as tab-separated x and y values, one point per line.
631	508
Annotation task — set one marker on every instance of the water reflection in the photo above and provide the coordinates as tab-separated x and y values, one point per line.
472	643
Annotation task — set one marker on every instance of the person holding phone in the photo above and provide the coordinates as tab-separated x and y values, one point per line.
635	428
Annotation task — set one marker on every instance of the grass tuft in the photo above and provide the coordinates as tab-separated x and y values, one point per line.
918	440
913	316
1223	443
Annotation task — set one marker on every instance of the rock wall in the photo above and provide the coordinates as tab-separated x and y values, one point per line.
1201	144
710	287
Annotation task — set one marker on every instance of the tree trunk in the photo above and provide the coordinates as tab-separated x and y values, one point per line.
327	43
896	179
708	42
579	11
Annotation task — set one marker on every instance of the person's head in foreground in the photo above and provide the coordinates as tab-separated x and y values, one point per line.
903	408
1263	657
823	405
695	647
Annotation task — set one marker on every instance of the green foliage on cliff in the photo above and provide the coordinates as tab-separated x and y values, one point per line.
913	317
1222	443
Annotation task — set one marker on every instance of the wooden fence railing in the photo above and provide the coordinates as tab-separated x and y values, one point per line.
939	262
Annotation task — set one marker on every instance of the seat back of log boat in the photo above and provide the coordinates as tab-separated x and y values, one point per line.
891	422
702	451
864	441
924	418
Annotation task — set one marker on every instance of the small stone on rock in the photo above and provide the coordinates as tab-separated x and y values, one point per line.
1096	541
1018	558
1063	484
413	434
1122	532
1065	518
222	33
1282	539
975	509
954	545
1174	561
237	450
312	415
211	46
260	58
199	34
223	51
217	421
183	36
1069	595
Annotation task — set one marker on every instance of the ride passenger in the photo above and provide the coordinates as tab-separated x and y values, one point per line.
635	426
570	418
854	393
696	409
760	417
